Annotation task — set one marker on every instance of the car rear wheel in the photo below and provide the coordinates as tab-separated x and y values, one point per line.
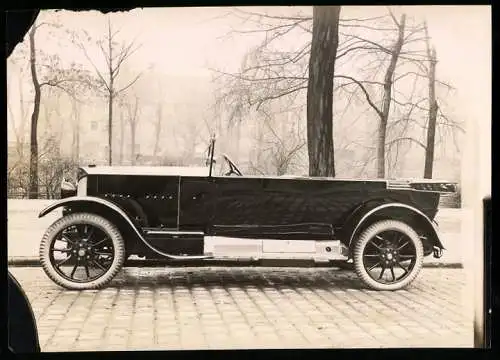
82	251
388	255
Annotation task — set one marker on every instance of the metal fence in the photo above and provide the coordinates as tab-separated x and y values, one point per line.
42	195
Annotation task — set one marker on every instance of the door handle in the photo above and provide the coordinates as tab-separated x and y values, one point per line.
197	196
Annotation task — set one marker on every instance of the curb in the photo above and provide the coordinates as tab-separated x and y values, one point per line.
34	262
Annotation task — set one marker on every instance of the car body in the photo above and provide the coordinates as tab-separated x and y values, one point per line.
193	213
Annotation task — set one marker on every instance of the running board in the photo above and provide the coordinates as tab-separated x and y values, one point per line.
193	245
259	249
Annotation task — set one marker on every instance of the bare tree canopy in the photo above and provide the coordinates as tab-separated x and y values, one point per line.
380	64
376	100
115	54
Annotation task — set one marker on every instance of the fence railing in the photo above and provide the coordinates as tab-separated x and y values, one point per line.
42	195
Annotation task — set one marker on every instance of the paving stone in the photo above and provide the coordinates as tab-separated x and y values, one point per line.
223	308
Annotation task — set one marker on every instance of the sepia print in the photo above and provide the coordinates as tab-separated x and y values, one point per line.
251	177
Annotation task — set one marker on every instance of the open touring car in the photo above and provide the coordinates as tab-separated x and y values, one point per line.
385	227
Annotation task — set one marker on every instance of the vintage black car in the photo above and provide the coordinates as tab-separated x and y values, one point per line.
384	227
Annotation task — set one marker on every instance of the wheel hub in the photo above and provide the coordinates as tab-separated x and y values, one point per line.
83	250
389	256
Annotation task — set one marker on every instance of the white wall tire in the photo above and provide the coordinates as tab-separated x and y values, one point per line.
390	244
85	250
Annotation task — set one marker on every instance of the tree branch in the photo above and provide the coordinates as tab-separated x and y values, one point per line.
390	143
367	96
129	85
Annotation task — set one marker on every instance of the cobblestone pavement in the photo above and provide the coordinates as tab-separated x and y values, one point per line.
206	308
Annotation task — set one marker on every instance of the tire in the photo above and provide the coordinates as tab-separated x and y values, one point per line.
111	236
393	254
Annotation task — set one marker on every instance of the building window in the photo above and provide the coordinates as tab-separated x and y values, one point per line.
93	125
136	149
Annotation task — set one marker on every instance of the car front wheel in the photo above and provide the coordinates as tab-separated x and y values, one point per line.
82	251
388	255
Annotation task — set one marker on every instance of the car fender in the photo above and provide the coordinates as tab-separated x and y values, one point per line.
113	208
85	199
430	228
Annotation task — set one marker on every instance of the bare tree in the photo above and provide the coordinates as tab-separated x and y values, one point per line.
55	76
133	121
433	109
115	55
364	68
279	145
75	144
122	134
33	191
158	127
320	90
19	122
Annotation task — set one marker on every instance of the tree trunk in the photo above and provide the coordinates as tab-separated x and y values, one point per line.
33	174
110	127
433	109
76	133
132	142
133	126
157	129
111	97
386	103
122	136
320	90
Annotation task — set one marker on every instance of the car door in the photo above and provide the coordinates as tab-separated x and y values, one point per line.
270	208
196	205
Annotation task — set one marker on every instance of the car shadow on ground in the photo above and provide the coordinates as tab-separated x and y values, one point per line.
243	277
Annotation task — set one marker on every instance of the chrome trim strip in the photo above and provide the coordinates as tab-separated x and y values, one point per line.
122	214
398	205
159	232
435	191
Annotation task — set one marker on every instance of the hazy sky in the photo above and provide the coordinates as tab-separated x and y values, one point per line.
187	41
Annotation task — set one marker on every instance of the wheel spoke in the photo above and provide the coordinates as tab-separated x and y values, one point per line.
407	256
398	238
63	261
87	270
65	236
74	270
89	236
62	250
370	255
372	243
99	242
373	266
382	272
80	231
379	237
97	263
102	253
402	246
402	267
392	273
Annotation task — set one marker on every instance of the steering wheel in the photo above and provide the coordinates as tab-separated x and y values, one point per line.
232	167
